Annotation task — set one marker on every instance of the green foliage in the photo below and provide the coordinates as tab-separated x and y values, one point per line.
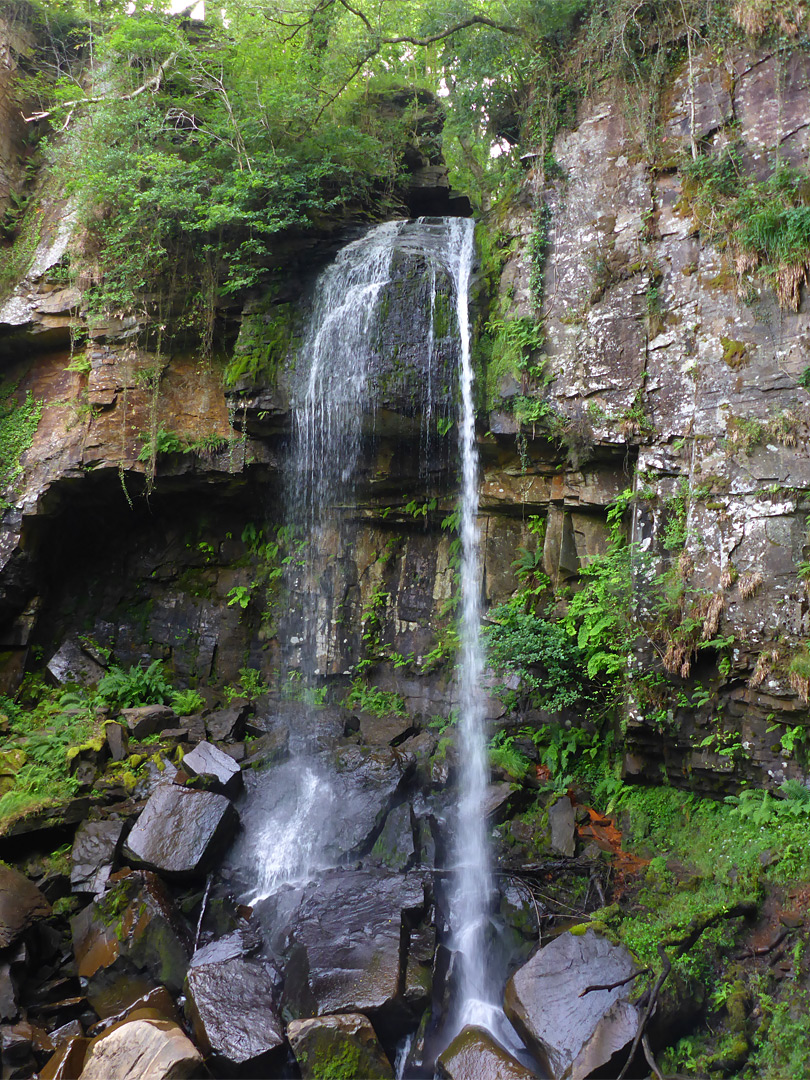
160	442
541	652
504	755
186	702
119	689
366	698
18	425
250	685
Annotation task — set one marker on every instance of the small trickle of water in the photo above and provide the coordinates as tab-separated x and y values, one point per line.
287	836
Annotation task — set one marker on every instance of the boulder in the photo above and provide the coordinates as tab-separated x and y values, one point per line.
270	747
386	730
71	664
231	996
474	1055
92	856
218	769
319	1044
572	1035
146	720
180	833
142	1050
346	951
21	905
366	783
227	723
496	801
129	942
562	824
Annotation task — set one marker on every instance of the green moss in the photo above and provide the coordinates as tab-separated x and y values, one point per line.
735	353
264	342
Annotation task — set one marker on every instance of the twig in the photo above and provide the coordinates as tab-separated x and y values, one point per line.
648	1054
765	949
615	985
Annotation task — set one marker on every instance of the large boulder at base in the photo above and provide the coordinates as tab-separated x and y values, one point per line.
474	1055
228	723
346	935
231	1001
142	1050
343	1045
180	833
129	942
91	859
363	788
569	1034
21	905
214	766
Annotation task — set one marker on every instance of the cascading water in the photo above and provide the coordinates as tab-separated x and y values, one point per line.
473	881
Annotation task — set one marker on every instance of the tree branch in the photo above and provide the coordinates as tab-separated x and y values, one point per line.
152	83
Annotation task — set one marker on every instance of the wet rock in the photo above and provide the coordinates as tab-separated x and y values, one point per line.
71	664
92	856
394	846
230	1002
474	1055
386	730
348	1038
17	1050
496	801
571	1035
67	1061
228	724
218	769
142	1050
21	905
270	747
364	786
146	720
562	823
180	833
129	943
346	936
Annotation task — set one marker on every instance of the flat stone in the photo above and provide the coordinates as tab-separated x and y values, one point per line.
142	1050
496	800
21	905
562	823
231	998
146	720
474	1055
572	1035
212	764
347	1038
92	855
180	833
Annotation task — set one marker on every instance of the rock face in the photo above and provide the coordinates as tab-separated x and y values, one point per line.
181	832
21	905
474	1055
330	1043
231	997
142	1050
573	1035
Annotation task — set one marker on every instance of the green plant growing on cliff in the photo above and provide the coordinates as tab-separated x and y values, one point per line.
18	425
370	699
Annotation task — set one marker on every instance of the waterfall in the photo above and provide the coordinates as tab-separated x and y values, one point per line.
473	883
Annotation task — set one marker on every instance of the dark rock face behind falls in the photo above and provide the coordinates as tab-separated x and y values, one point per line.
147	944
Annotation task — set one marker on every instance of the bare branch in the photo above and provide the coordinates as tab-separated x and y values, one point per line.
152	83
